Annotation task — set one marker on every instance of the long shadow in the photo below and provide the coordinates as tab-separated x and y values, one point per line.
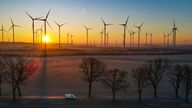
41	81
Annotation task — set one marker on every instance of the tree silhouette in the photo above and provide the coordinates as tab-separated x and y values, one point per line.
187	80
19	70
156	69
140	79
175	77
91	70
116	80
2	73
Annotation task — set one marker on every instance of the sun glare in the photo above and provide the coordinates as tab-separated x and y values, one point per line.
46	39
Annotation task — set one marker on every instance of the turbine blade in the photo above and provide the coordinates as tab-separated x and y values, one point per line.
48	13
85	27
63	24
11	28
127	21
56	23
103	21
11	21
49	25
17	25
141	25
29	15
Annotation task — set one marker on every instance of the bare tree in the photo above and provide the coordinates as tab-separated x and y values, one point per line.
175	77
156	69
26	68
91	69
19	70
116	80
187	80
2	73
140	79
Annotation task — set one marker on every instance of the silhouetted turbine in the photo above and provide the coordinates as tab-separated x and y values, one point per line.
124	35
105	30
2	31
174	34
13	28
46	22
59	26
87	33
139	32
33	25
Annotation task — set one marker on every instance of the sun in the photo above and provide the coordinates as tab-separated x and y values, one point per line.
46	39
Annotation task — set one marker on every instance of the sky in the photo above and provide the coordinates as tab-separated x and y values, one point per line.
158	16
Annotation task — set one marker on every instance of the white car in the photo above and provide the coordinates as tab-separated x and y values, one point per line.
69	96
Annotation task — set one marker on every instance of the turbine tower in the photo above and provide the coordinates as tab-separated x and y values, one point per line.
168	39
174	34
33	25
2	31
151	38
101	37
87	33
46	22
164	38
130	37
146	36
133	38
40	30
13	28
124	35
139	32
59	26
105	31
107	38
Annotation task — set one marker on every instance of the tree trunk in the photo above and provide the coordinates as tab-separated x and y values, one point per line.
139	96
187	96
0	86
155	91
13	91
19	91
114	96
90	88
176	92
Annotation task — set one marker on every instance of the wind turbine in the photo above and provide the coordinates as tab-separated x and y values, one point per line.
131	34
71	39
46	22
40	30
164	39
168	39
139	32
33	25
146	35
67	38
2	31
87	33
107	38
101	37
151	38
13	28
174	34
59	26
105	30
124	35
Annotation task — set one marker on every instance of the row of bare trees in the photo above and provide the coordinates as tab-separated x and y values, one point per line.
148	74
16	71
